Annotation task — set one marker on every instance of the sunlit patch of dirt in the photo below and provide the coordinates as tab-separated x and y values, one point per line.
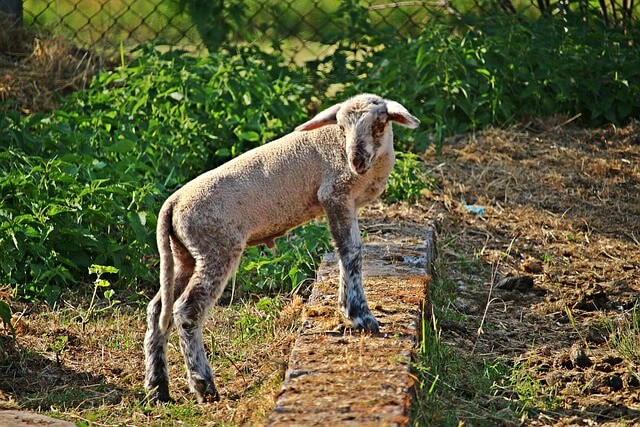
561	206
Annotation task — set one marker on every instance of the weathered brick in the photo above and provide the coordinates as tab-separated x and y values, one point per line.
338	376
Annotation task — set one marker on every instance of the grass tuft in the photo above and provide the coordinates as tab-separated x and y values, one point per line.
624	336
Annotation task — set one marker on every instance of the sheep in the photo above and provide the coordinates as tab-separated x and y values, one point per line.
331	165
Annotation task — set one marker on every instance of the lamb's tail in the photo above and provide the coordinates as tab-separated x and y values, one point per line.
163	231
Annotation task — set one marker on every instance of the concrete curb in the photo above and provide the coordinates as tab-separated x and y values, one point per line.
337	376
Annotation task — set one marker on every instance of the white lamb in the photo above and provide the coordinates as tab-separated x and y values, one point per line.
332	165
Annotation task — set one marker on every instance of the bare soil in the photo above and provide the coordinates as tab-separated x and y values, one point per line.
551	264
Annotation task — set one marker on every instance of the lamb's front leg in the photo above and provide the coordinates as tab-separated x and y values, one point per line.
343	223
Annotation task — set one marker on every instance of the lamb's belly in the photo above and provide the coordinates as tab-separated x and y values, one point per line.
277	224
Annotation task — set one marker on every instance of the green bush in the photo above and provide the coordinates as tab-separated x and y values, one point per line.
180	115
498	69
407	181
293	260
83	185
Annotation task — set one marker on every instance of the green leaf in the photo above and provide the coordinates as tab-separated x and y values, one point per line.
249	136
138	228
176	95
51	294
122	146
102	269
101	283
5	315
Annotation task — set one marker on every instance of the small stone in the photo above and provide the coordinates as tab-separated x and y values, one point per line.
517	283
578	356
632	380
615	382
532	266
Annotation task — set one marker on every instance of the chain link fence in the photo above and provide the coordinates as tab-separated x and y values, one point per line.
302	28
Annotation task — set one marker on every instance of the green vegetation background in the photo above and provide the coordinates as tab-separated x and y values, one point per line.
82	186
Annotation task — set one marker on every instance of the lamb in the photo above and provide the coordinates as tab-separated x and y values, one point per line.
331	165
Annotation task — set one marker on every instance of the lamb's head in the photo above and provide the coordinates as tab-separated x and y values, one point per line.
365	123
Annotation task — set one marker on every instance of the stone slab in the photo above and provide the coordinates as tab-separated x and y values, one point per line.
16	418
338	376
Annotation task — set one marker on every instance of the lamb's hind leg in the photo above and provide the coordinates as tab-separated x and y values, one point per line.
155	349
189	312
155	341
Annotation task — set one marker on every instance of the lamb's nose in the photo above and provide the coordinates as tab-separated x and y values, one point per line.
359	165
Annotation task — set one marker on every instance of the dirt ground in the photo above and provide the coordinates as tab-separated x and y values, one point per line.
555	250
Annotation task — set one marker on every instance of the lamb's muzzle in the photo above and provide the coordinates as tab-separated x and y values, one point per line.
332	165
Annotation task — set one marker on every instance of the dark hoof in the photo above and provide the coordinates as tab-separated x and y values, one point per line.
210	398
367	323
206	392
160	394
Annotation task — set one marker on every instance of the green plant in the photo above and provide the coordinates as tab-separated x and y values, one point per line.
531	392
284	268
407	181
451	386
435	356
60	346
498	69
259	321
82	185
215	21
615	13
5	317
99	283
624	336
572	321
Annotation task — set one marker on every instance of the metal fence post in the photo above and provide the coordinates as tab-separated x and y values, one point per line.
13	9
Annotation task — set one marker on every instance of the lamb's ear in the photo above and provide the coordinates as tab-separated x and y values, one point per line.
323	118
397	113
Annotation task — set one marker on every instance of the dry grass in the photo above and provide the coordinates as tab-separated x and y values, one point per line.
562	205
95	373
36	70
